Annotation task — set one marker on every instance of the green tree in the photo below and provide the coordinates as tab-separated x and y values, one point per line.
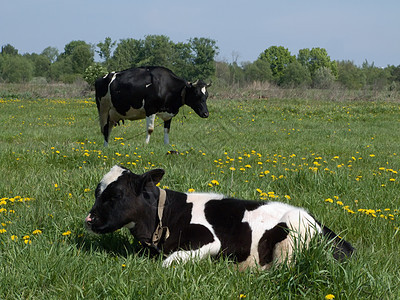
157	51
16	68
9	49
395	73
323	78
204	51
105	51
278	59
41	64
236	74
296	75
376	78
93	72
182	60
316	58
259	70
350	76
82	57
128	53
61	69
70	47
51	53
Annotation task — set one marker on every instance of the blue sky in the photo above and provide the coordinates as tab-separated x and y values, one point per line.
349	30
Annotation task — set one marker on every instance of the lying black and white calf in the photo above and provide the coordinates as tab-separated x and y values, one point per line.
191	226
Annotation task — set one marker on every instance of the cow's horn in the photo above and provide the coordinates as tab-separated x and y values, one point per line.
208	85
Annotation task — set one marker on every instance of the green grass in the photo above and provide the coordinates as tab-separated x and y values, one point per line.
340	160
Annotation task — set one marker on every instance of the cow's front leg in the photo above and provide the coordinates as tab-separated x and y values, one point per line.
183	256
106	132
150	126
167	126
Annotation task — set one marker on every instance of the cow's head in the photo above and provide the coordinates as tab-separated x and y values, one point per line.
196	97
123	199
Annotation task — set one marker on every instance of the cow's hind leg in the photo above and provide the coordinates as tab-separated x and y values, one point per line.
302	227
167	126
150	126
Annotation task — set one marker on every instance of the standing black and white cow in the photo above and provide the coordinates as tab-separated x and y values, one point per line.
191	226
145	92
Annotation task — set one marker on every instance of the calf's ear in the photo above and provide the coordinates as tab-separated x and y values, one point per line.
155	175
149	178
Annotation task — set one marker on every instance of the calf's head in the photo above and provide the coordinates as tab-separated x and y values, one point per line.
196	97
121	198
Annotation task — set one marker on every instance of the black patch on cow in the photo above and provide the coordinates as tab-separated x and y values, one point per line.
177	216
226	216
268	241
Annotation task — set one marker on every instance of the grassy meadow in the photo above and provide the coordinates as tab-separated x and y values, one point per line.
340	160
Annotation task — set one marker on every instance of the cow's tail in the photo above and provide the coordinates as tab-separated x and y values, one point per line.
341	248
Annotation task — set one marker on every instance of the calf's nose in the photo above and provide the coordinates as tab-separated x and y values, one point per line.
88	220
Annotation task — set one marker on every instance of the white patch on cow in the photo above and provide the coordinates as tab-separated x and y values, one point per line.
203	90
105	76
265	217
198	217
150	126
130	225
199	201
110	177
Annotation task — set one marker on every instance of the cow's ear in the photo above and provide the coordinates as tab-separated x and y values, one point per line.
150	178
155	175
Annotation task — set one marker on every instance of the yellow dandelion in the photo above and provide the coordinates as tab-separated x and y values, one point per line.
3	230
329	297
37	231
191	190
66	233
27	241
14	238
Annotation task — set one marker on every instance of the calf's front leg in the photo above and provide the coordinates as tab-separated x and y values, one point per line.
183	256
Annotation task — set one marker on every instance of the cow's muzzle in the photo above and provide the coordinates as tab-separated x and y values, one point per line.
204	114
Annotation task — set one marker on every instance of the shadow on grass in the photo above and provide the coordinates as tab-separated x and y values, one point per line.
118	243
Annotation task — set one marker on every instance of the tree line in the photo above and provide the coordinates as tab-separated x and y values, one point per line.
196	58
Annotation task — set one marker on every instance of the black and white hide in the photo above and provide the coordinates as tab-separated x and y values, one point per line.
187	226
143	93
